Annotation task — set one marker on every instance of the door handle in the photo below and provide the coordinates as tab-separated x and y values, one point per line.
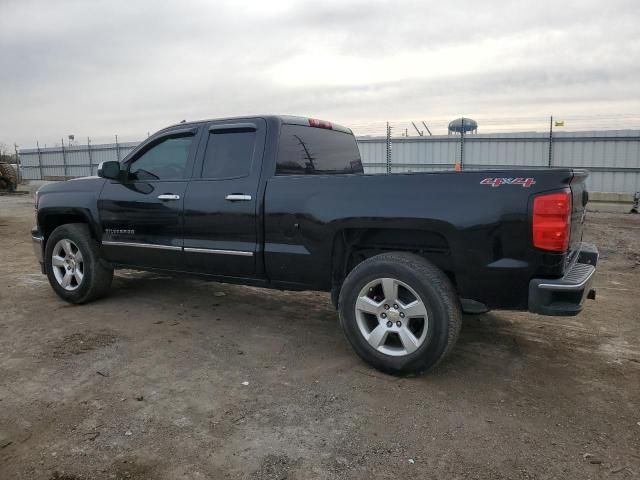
168	196
238	197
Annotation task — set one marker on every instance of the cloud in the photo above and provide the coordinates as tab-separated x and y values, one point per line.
100	68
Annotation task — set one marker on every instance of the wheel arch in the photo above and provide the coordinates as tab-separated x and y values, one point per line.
352	246
51	218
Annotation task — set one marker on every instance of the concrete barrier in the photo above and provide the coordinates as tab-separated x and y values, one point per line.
610	202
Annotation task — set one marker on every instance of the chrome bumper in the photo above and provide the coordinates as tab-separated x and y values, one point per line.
37	248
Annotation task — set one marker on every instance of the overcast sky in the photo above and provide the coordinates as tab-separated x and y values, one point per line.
128	67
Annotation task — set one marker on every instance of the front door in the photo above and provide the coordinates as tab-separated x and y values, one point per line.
141	215
220	220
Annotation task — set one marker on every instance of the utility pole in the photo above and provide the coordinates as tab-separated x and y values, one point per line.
117	149
89	153
39	159
64	158
18	172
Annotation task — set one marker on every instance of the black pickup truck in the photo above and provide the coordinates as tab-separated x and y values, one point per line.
283	202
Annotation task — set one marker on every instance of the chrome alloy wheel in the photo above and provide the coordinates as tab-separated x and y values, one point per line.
67	264
391	317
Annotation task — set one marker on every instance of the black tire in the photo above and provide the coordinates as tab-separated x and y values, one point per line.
97	276
436	293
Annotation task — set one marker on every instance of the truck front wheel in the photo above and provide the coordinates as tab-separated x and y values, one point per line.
73	266
400	313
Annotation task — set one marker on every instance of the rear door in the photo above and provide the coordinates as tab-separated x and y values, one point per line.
220	220
141	215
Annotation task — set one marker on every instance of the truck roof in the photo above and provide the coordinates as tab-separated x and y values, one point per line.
284	119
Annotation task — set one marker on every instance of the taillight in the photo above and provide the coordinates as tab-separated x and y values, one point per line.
552	221
314	122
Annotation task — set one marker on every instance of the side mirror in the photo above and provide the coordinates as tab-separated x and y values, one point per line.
109	169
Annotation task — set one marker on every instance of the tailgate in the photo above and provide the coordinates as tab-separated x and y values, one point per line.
579	200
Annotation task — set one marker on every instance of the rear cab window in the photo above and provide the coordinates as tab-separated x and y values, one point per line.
307	150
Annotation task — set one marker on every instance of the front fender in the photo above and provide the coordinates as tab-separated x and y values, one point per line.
71	201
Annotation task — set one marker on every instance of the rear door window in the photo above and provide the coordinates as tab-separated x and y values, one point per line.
229	153
316	151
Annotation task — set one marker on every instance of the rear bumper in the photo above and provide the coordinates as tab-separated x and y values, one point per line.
565	296
37	241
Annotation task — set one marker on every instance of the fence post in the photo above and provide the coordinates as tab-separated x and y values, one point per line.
462	144
551	140
117	149
39	160
90	158
64	159
18	172
388	148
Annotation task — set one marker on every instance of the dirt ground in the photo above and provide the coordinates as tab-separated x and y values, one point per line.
151	382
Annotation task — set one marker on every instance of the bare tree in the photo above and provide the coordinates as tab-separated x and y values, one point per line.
6	154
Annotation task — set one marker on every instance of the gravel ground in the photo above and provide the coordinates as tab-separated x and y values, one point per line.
173	378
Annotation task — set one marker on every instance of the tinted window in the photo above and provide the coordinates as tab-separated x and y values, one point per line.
308	150
229	153
165	161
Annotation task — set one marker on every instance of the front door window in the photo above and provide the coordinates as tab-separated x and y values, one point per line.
166	160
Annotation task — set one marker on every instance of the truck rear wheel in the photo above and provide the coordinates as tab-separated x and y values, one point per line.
73	266
400	313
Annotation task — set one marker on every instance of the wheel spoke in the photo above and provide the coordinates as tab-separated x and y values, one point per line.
390	289
389	332
408	339
377	337
415	309
367	305
57	261
68	264
66	246
66	280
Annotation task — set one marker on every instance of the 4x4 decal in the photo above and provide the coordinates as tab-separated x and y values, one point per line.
496	182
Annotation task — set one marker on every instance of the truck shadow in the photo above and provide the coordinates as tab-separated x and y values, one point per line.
495	344
515	344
